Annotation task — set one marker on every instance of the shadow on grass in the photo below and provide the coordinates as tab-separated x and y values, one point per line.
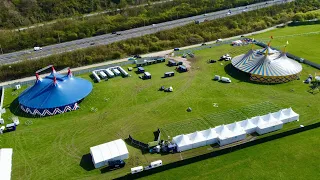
143	151
16	110
86	162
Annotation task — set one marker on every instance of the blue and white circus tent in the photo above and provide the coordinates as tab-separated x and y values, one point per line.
268	66
54	94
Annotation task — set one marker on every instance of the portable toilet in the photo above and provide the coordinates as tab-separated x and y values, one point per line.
147	75
136	169
140	69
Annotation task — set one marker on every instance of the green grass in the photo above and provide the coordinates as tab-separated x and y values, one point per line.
52	147
305	46
286	158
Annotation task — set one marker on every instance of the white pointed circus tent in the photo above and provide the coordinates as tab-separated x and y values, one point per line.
248	126
197	139
5	163
110	151
183	142
210	135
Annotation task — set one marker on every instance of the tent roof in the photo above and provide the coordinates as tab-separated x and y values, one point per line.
209	133
182	140
5	163
223	132
247	124
109	150
236	128
196	137
257	120
271	64
279	115
45	94
289	112
269	118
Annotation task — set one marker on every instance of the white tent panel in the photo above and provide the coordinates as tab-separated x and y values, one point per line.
183	142
248	126
292	116
257	120
280	116
5	163
269	118
210	135
224	134
197	139
114	150
269	127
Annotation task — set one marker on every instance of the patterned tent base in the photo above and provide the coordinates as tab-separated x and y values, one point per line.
273	79
50	112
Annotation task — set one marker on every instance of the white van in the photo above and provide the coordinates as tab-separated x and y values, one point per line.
225	79
136	169
37	48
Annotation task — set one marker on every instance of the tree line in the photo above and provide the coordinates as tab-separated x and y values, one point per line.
16	13
78	28
182	36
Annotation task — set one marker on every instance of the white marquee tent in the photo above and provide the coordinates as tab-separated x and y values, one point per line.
197	139
248	126
271	124
5	163
210	135
291	115
224	134
183	142
280	116
110	151
238	133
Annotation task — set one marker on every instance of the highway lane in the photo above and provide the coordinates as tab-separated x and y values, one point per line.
127	34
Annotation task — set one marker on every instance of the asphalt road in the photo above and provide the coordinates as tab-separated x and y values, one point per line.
127	34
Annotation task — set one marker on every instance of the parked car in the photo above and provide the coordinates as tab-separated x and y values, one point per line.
137	56
113	32
37	48
116	164
176	49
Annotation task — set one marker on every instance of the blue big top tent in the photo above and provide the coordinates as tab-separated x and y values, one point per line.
54	94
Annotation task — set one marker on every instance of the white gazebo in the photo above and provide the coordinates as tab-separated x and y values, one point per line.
110	151
183	142
210	135
197	139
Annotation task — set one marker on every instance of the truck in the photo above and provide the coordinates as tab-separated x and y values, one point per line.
225	79
116	164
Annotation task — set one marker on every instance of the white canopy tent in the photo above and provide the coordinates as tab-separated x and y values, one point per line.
291	115
269	127
197	139
238	133
210	135
5	163
248	126
257	120
224	135
280	116
110	151
183	142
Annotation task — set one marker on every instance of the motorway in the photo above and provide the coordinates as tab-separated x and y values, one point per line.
127	34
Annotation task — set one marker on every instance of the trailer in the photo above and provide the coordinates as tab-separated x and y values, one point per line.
172	63
182	68
140	69
124	73
147	75
95	75
116	71
136	169
169	74
109	73
102	75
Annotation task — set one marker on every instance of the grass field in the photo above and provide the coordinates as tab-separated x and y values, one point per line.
300	42
57	147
